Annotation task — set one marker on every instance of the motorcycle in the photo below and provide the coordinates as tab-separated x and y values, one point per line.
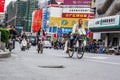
40	45
23	44
28	44
56	46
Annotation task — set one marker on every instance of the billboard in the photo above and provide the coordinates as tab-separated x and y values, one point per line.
37	20
76	10
78	15
66	22
2	3
77	2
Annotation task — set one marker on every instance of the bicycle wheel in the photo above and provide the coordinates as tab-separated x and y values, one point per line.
80	50
71	52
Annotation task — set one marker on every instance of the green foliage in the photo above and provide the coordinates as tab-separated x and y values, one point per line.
4	34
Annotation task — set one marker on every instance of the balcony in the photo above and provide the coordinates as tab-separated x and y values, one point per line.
114	8
102	8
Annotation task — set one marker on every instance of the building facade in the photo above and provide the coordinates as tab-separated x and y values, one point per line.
106	23
66	14
32	5
19	13
16	12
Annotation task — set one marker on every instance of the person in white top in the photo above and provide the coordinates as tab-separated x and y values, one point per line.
78	29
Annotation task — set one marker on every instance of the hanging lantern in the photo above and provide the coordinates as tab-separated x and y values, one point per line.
91	34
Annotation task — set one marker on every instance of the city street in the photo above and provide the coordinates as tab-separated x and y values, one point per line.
55	65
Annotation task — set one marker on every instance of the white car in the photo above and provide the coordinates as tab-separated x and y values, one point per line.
47	44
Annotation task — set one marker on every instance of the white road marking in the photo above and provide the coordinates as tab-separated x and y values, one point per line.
97	57
114	63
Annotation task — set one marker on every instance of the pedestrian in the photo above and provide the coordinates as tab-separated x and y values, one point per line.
101	46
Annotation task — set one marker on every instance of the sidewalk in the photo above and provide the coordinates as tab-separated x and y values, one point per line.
4	54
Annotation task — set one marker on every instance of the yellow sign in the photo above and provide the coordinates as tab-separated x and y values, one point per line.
65	22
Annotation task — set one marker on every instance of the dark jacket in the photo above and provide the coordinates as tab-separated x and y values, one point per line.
13	34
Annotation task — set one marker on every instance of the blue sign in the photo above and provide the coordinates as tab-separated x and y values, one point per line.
45	18
67	30
59	32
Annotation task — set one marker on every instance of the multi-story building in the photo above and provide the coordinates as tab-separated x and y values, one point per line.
16	12
19	13
68	12
32	5
106	25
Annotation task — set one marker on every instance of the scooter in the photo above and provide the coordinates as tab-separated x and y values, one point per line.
28	44
23	44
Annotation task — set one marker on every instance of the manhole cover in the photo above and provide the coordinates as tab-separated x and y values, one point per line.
52	66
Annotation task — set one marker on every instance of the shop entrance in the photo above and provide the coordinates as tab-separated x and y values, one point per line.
115	41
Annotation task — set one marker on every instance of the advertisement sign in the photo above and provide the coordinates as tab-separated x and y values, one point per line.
77	2
66	22
74	15
76	10
37	20
2	3
77	15
105	22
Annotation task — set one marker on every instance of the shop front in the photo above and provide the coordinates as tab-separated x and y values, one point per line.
108	28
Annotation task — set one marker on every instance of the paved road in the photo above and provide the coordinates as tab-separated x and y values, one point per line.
29	65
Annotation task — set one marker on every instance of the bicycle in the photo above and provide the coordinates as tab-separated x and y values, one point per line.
78	47
40	45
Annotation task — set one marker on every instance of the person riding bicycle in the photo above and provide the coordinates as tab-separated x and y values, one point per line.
13	34
77	30
40	34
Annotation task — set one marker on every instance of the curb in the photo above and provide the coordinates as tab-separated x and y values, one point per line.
5	54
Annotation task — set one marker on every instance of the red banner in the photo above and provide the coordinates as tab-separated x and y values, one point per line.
2	3
37	21
77	15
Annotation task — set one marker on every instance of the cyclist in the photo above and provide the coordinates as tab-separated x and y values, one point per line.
77	30
13	34
24	35
41	34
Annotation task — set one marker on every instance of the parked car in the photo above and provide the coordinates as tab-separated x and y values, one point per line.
33	40
47	44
